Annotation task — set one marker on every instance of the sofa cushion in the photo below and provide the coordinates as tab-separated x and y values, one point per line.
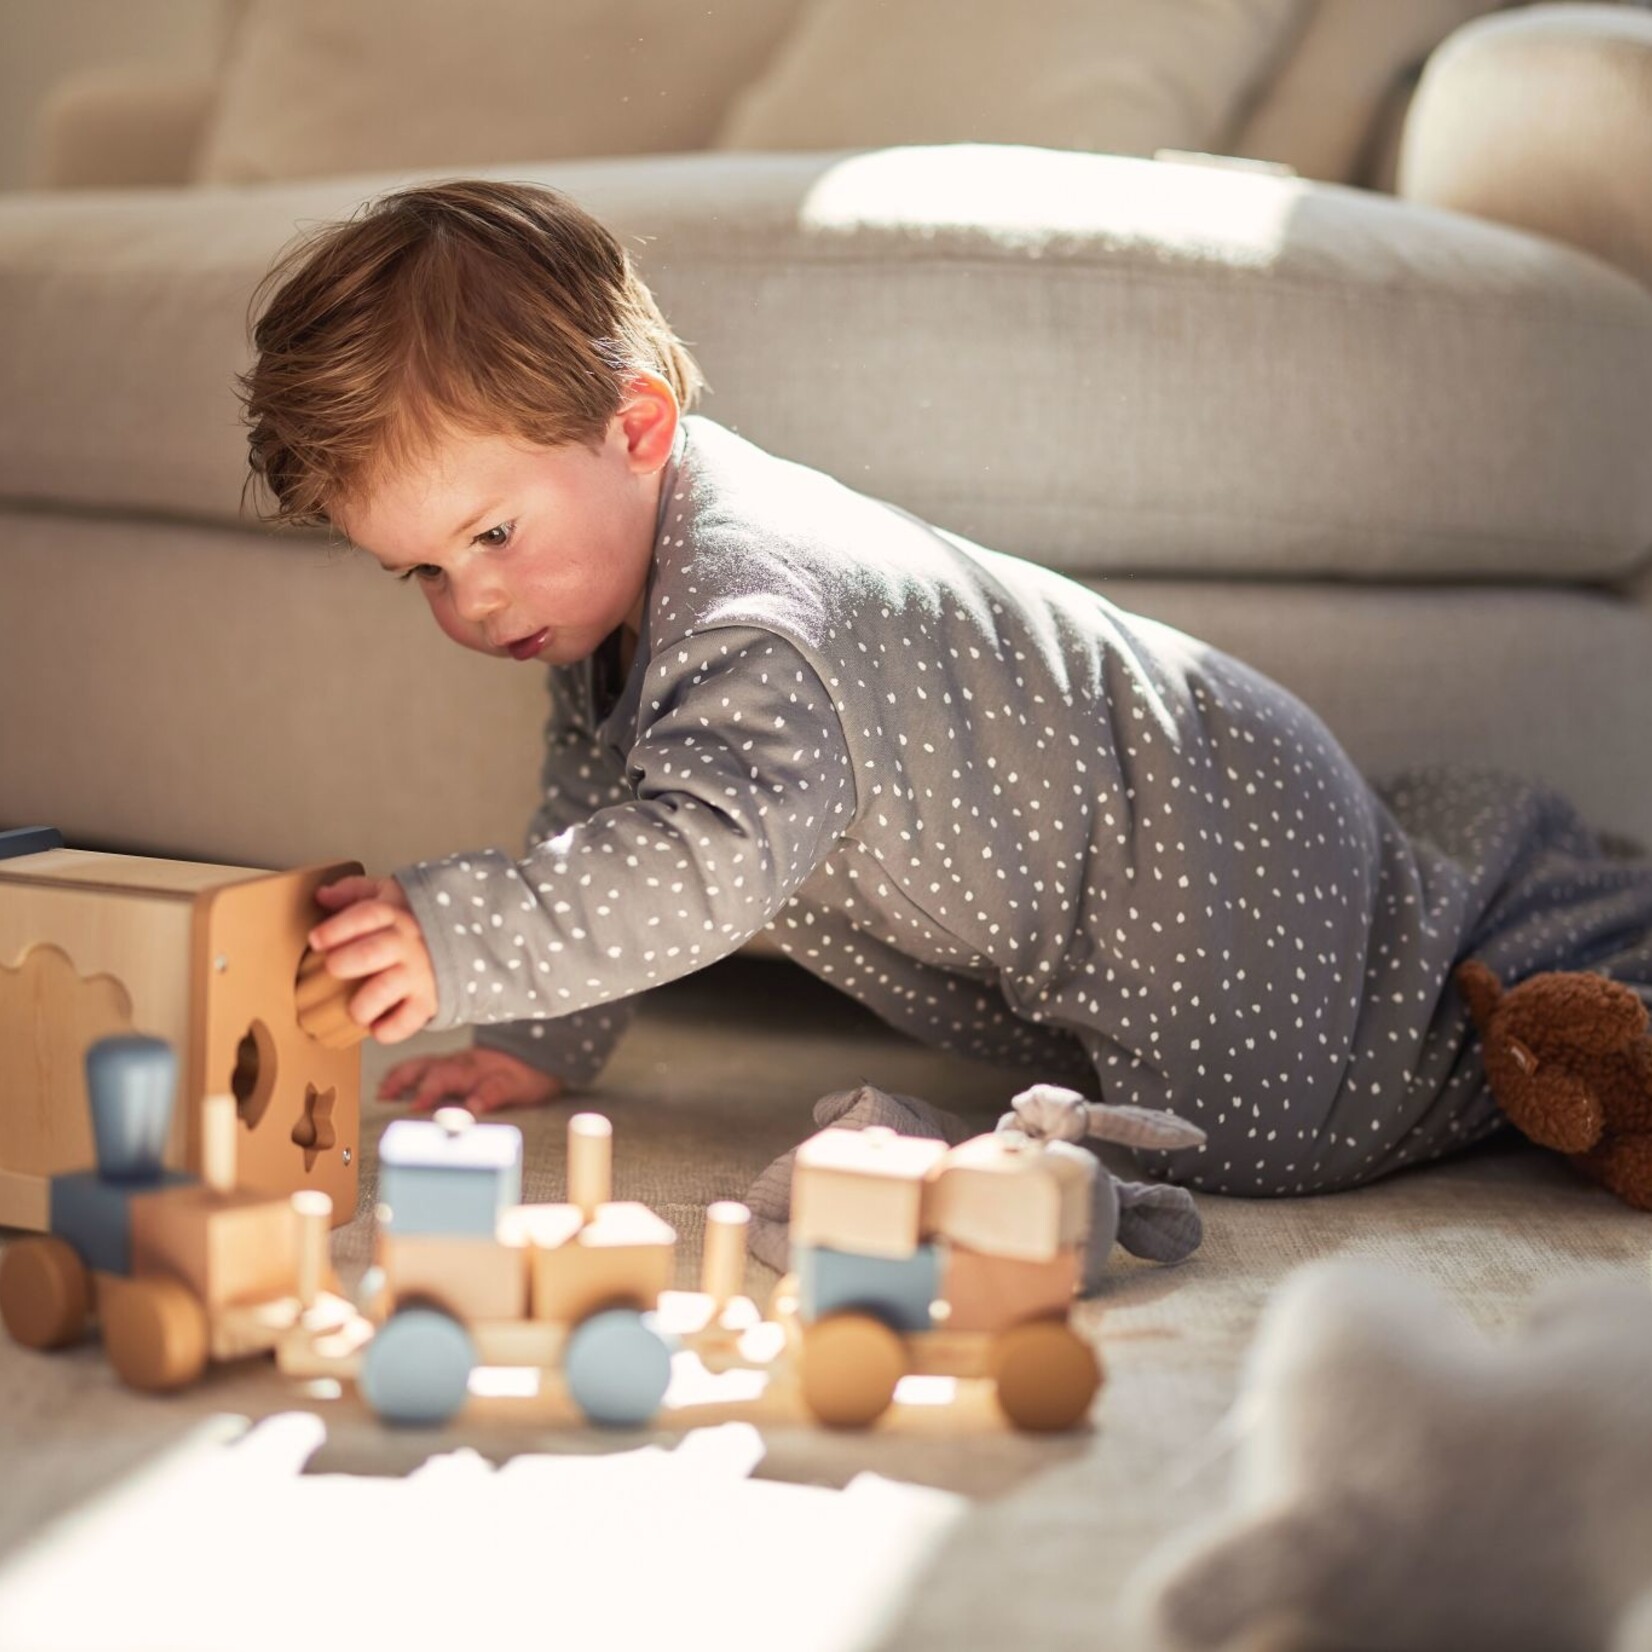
198	691
312	87
1112	365
1318	113
1124	76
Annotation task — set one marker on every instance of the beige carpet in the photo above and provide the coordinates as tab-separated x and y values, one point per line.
716	1080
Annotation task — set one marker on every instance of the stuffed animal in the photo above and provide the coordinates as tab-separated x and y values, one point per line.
1569	1060
1149	1219
1404	1482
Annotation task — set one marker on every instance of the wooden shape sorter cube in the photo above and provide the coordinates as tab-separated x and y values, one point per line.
1006	1195
623	1255
861	1190
206	957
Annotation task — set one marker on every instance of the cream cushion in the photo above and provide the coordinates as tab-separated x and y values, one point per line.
1480	138
1323	103
1122	76
317	87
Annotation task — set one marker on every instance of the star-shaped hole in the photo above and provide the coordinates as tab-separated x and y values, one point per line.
314	1130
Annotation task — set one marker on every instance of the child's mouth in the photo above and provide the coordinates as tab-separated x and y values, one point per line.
529	646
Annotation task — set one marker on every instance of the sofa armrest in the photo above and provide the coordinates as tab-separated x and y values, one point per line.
1542	118
127	126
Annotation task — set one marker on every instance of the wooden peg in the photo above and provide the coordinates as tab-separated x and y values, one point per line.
219	1122
723	1270
315	1216
322	1002
590	1162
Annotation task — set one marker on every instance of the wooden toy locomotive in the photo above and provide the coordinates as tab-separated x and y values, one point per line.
179	1270
210	958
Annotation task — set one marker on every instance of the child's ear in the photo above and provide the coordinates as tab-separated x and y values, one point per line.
648	418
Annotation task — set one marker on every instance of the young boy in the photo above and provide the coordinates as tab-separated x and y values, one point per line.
1003	813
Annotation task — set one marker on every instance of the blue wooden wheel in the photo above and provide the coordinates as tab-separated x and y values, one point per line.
416	1371
618	1366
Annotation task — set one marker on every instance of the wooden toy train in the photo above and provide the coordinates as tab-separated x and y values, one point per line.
909	1258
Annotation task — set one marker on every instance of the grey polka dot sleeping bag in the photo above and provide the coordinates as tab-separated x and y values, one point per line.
1019	822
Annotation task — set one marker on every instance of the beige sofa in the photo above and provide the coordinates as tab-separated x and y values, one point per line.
1386	448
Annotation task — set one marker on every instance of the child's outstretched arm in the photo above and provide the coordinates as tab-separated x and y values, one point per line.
740	784
580	775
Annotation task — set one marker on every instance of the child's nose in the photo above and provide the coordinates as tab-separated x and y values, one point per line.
475	598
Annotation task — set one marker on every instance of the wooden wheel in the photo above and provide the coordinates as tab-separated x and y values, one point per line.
1046	1373
154	1331
45	1292
851	1363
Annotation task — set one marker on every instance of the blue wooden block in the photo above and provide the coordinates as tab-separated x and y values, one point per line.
94	1215
436	1179
29	840
897	1289
131	1080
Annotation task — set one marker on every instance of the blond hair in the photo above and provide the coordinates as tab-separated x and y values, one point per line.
473	306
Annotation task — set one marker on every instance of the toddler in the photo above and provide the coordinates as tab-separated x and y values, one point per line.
1000	811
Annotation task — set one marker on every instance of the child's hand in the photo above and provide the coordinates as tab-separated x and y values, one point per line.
484	1081
376	939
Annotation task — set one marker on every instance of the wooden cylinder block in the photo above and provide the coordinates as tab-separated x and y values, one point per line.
219	1122
315	1216
590	1162
323	1003
723	1270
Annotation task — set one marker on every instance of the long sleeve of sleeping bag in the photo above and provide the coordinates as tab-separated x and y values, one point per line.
580	775
740	783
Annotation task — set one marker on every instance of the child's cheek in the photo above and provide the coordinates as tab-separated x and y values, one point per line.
452	624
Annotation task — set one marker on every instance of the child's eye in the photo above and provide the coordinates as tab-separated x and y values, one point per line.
424	572
503	533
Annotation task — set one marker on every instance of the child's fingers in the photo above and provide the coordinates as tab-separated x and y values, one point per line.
442	1081
401	1023
369	954
382	992
404	1077
346	889
496	1091
363	918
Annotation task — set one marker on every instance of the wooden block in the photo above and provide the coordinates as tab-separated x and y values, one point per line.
1005	1195
988	1293
228	1248
623	1256
472	1278
518	1342
899	1290
448	1174
95	1215
861	1190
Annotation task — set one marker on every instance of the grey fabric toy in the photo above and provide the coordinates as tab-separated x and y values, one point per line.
1405	1484
1149	1219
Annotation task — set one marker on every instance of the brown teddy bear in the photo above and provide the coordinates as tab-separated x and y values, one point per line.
1569	1060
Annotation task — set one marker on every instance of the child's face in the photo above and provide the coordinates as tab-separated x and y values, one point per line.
525	552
